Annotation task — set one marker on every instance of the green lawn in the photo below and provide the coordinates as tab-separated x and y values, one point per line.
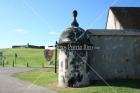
49	77
34	57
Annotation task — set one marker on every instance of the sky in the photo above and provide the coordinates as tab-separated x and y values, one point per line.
41	22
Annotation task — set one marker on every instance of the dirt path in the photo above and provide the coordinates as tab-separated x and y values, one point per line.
10	84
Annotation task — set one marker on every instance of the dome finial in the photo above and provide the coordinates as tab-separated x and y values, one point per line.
74	23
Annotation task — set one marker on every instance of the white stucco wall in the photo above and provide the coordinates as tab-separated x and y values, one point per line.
112	22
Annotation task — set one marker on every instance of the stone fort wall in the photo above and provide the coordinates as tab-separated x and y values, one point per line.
116	54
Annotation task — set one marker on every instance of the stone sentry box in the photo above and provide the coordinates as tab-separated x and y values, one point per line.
74	46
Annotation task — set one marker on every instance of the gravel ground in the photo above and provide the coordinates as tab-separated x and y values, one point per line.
10	84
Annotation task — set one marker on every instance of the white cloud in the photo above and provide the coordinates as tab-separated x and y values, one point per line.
20	31
53	32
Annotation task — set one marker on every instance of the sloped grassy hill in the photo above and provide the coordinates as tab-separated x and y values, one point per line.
34	57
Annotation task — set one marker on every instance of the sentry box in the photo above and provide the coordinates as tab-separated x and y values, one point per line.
74	46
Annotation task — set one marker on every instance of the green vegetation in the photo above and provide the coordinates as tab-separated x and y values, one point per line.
34	57
49	77
46	78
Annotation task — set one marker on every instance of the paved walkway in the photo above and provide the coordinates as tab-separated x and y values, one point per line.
10	84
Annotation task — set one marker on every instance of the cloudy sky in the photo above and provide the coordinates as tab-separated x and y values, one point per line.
41	22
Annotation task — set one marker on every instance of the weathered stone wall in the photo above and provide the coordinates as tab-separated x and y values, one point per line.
116	54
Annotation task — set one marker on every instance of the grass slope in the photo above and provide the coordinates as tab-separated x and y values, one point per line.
49	77
34	57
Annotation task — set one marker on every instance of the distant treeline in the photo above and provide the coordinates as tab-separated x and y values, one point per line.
28	46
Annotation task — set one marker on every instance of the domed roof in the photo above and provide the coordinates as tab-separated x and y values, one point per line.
74	33
71	34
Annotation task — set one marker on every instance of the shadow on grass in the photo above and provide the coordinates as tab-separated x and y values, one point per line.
132	83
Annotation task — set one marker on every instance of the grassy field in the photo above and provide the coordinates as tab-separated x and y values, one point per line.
34	57
49	77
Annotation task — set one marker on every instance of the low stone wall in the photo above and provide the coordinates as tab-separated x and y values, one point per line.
116	54
29	46
20	46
